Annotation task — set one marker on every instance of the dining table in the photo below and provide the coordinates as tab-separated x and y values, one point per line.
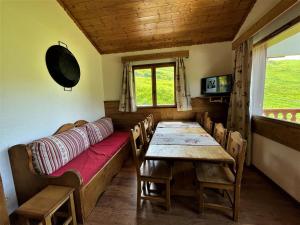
184	144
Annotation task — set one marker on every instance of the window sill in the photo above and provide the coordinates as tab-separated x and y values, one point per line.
283	132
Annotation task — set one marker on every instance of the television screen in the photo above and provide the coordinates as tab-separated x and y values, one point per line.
217	85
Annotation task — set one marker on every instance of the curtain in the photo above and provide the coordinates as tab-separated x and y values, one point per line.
238	112
127	100
183	96
258	74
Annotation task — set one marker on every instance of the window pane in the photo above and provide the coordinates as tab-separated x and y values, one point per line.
282	88
143	87
282	82
165	85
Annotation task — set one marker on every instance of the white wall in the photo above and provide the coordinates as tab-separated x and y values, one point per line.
32	105
278	162
204	60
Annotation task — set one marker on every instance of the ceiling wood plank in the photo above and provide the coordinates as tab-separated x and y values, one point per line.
131	25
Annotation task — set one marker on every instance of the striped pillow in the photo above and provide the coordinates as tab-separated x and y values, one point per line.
51	153
99	130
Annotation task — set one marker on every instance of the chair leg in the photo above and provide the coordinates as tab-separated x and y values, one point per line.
144	188
236	204
201	198
168	195
148	187
139	192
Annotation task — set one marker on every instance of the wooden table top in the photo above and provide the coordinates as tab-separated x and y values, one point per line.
45	202
186	152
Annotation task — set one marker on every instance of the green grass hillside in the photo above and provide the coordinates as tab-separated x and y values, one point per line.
282	84
164	84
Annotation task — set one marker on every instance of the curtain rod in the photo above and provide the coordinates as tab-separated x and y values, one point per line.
162	55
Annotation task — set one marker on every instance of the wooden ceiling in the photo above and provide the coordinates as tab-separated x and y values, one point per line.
129	25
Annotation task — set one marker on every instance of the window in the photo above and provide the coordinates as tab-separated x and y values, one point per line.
281	99
155	85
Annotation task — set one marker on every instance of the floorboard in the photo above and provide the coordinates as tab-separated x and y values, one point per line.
262	203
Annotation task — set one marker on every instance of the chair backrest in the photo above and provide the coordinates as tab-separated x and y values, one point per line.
150	119
146	131
236	147
4	220
220	134
137	146
200	118
208	125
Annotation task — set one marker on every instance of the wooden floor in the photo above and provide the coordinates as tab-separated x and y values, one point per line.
262	203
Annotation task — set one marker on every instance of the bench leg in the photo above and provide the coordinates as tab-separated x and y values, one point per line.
168	195
47	221
71	209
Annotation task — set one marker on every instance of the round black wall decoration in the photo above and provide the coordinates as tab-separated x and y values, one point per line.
62	66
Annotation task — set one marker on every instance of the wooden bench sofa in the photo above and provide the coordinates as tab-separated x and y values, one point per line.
28	182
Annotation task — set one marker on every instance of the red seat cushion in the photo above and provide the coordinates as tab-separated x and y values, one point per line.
94	158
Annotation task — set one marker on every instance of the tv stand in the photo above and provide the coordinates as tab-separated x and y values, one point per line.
219	99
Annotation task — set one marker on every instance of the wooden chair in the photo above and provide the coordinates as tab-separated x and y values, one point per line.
220	134
208	125
150	119
226	178
154	171
146	132
200	117
4	220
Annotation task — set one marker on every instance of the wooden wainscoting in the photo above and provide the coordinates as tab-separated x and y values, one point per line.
283	132
121	120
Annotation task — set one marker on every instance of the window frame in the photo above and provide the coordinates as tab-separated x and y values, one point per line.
268	37
153	67
282	131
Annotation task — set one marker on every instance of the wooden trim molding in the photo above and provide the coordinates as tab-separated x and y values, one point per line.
3	211
283	132
162	55
278	31
276	11
153	68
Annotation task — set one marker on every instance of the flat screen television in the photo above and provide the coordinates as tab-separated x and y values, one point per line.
216	85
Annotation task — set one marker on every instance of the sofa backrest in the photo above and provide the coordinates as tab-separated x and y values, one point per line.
51	153
99	129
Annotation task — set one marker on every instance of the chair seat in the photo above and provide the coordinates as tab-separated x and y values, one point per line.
214	173
156	169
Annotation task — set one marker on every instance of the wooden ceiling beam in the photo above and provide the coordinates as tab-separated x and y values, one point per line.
276	11
162	55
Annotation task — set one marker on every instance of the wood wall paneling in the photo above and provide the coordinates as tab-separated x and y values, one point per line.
131	25
283	132
123	120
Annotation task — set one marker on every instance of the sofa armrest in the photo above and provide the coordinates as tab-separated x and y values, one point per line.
28	182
